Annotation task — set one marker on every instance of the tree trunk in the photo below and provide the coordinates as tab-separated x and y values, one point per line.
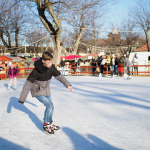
57	53
147	40
77	42
41	46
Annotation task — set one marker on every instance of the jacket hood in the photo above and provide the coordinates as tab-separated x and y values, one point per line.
38	64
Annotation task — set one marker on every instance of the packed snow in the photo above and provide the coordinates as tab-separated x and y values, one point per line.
100	114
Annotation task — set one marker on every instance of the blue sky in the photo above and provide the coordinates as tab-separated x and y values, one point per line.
118	11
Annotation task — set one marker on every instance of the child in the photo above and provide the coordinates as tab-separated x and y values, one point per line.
13	73
38	83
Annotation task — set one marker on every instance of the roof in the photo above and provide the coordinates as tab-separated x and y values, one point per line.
20	58
8	58
5	58
141	49
90	55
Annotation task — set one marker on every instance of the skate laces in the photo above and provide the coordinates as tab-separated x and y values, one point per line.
54	127
47	126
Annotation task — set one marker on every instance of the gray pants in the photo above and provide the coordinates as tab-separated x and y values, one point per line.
127	69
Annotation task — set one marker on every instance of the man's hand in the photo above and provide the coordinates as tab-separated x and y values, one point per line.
70	88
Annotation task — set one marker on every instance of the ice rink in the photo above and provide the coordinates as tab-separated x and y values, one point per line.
100	114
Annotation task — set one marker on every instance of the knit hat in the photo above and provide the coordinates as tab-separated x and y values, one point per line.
113	55
12	65
99	54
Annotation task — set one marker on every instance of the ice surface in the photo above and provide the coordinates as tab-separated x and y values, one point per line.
100	114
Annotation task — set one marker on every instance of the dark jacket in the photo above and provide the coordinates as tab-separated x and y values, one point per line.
116	61
39	79
77	62
93	62
99	60
62	63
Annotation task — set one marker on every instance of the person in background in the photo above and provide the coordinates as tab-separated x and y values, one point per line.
99	61
123	64
12	73
104	61
114	65
62	64
128	66
17	67
93	63
135	62
77	64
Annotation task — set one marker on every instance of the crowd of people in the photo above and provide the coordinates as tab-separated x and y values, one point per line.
118	65
115	63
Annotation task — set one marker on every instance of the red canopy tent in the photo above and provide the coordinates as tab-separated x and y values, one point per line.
33	59
70	57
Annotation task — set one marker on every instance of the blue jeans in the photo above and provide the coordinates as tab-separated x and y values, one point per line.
47	101
114	70
63	70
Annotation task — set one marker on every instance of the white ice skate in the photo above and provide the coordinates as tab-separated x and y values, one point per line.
100	75
129	77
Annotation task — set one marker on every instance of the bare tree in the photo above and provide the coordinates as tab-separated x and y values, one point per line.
53	13
141	16
12	20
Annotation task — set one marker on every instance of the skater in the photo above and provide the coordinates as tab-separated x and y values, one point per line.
114	64
104	61
135	62
93	63
99	61
62	64
12	73
128	66
38	83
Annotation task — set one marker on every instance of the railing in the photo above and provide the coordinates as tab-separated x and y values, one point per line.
107	70
83	70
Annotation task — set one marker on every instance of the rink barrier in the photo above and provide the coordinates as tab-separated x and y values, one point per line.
73	72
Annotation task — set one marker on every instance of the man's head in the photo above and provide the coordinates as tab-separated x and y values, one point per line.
124	55
47	59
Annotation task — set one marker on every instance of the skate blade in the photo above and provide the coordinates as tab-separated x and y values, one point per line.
49	133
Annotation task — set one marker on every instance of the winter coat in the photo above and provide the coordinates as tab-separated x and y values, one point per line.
62	63
104	61
77	62
135	60
93	62
116	61
128	63
12	73
123	62
99	60
38	81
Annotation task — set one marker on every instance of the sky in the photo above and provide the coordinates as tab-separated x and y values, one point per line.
115	14
119	10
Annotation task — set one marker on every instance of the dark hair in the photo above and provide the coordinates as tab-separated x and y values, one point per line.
47	56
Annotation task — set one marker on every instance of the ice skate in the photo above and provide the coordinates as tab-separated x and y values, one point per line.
54	127
48	128
129	77
100	75
8	87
